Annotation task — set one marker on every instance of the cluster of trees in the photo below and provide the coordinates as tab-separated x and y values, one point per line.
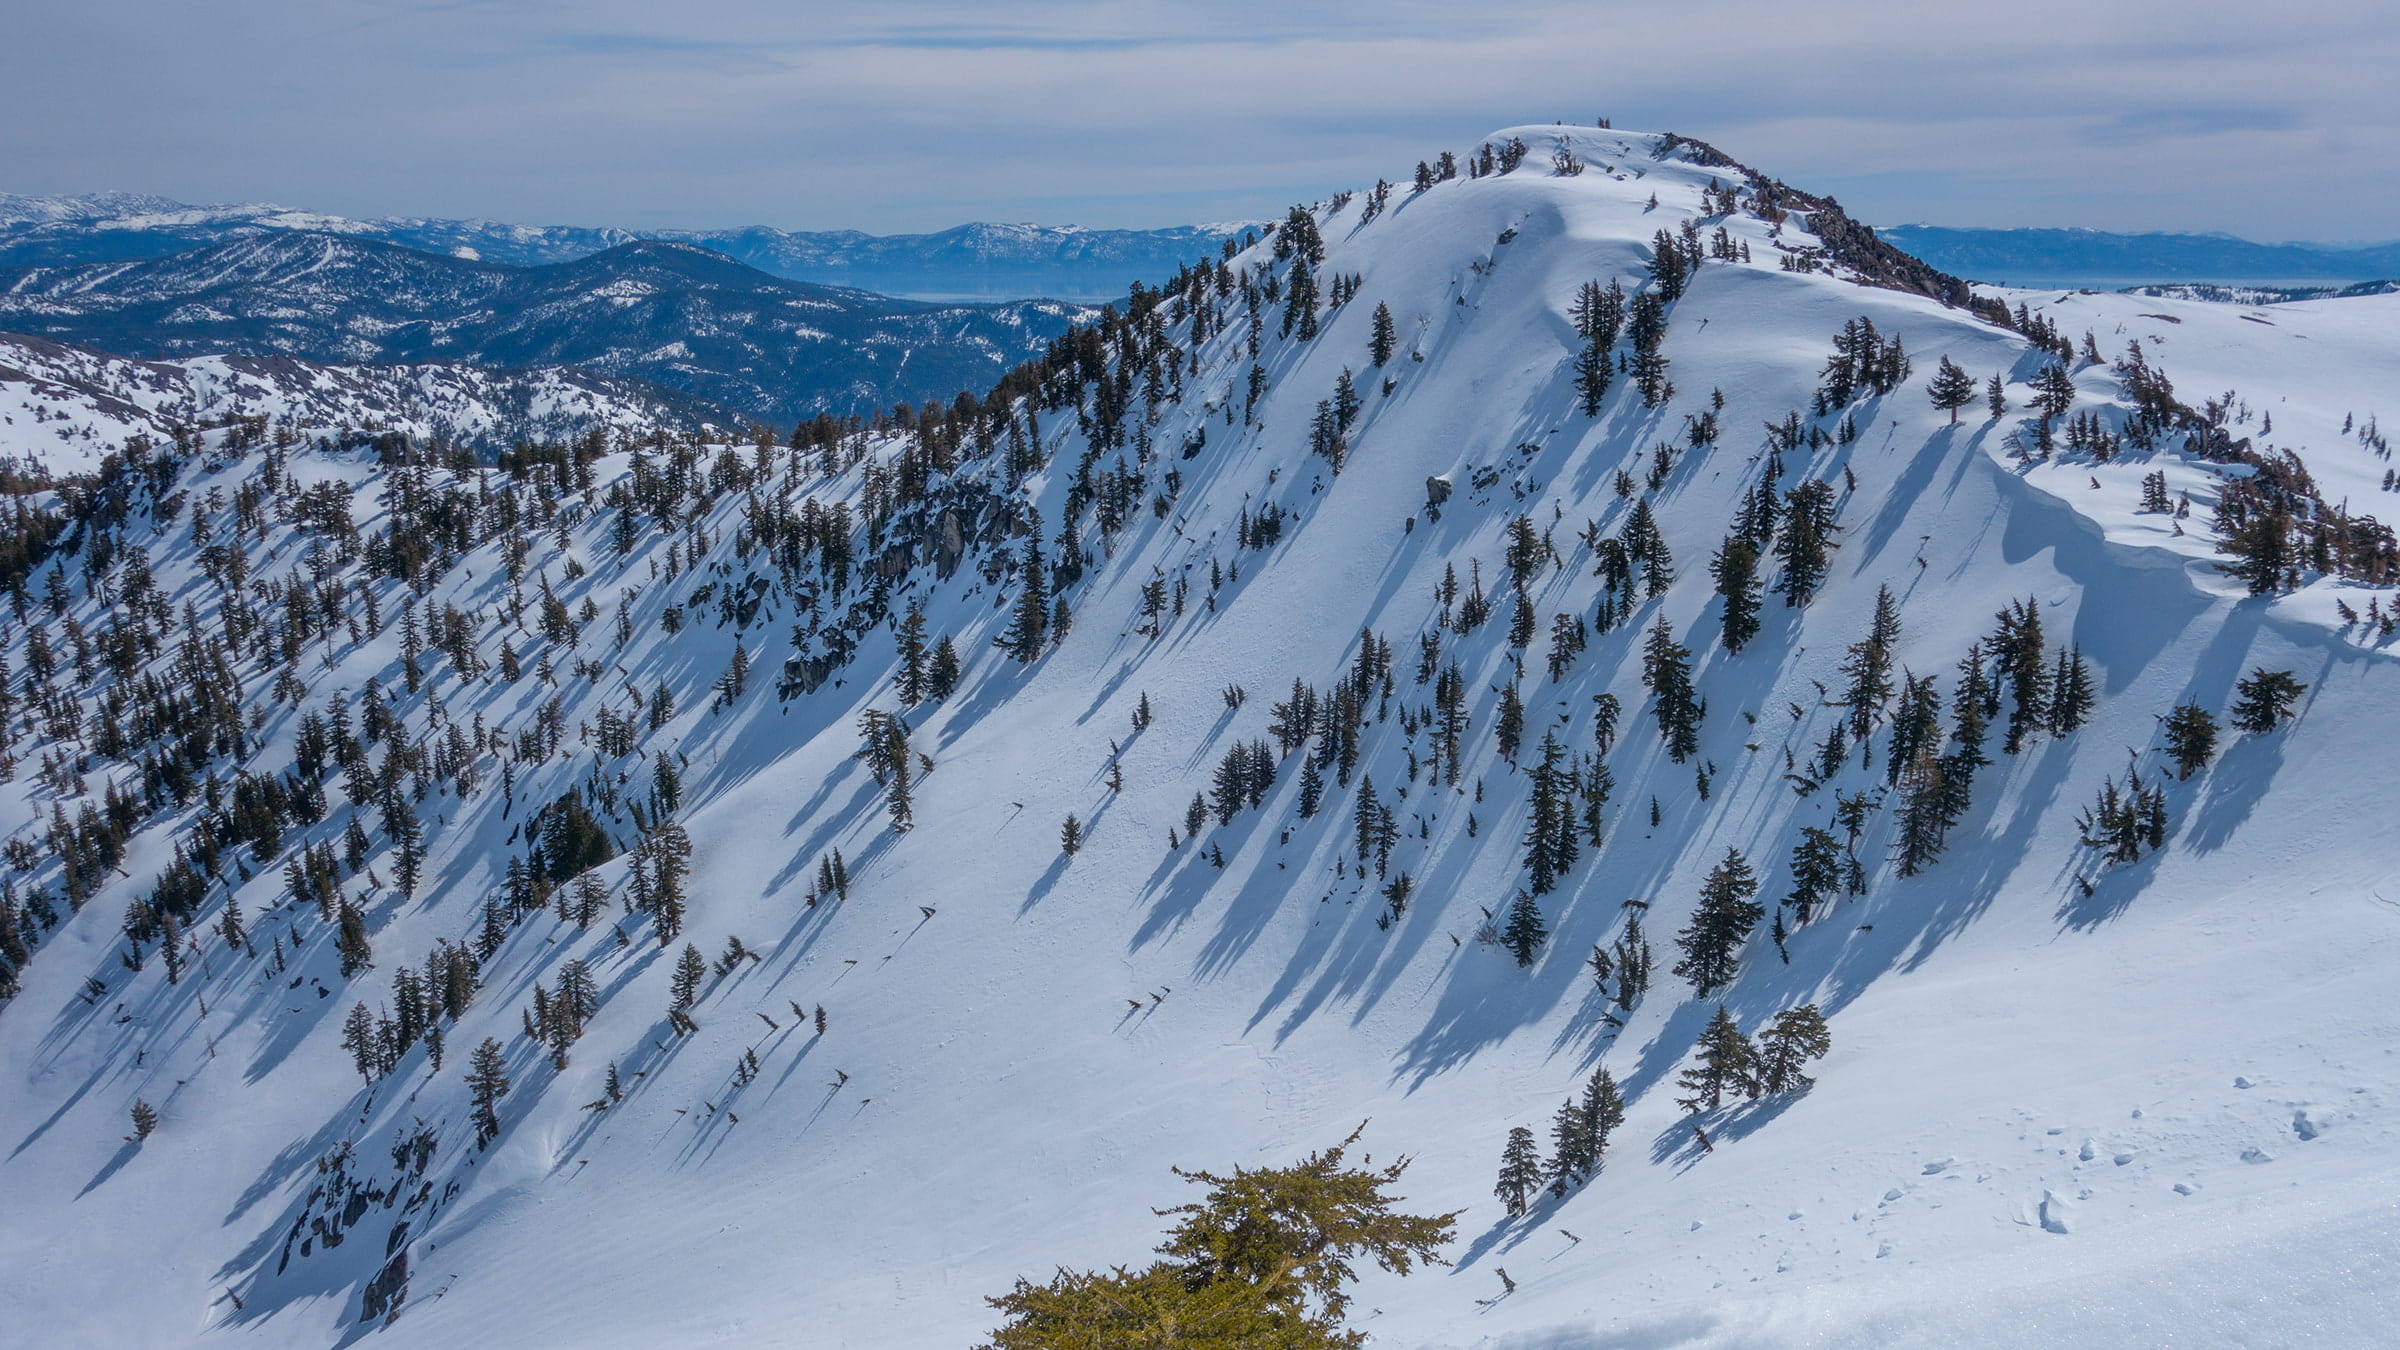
1728	1063
1579	1134
1863	360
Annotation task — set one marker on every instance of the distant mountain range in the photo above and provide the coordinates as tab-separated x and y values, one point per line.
63	408
971	262
673	314
2097	259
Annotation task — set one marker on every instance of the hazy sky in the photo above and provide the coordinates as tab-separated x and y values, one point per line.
2271	120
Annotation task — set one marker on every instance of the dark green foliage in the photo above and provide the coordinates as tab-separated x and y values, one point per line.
1806	543
1264	1263
1796	1036
487	1083
1524	933
1520	1172
568	839
2019	659
2191	734
1916	724
1579	1132
690	971
1382	338
1029	623
2071	693
1816	872
1721	923
1951	388
1727	1066
145	1119
1667	669
1861	360
2124	823
1869	666
1735	569
2265	700
1070	835
1550	843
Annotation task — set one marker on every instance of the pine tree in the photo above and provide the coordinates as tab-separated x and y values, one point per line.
1797	1036
487	1083
2053	393
914	675
1570	1151
2017	657
1951	388
145	1119
1509	728
360	1038
1736	571
1924	816
1721	923
2191	733
1550	847
1816	872
1524	933
1728	1066
942	679
2071	694
1603	1111
1666	668
1264	1262
350	939
1806	544
1916	724
1382	338
2265	700
1520	1172
1995	396
1070	835
1029	625
1869	666
690	970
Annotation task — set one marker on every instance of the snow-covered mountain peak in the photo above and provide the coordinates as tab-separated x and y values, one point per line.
1373	676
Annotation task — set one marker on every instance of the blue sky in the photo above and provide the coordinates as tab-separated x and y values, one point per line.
2273	122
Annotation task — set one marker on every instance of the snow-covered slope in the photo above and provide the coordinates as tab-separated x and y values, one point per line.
2067	1103
64	408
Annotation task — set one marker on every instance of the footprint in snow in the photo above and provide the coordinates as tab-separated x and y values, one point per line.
2255	1154
2305	1127
1939	1166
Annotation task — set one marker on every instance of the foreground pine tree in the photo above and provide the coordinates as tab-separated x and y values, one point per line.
1263	1263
